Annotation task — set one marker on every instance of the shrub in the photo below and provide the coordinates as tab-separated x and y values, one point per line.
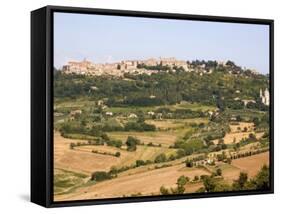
164	191
139	126
172	157
196	178
218	172
100	176
132	143
182	180
105	137
239	184
189	163
117	154
140	163
222	187
180	153
113	170
209	183
72	145
115	143
178	190
261	180
252	137
160	158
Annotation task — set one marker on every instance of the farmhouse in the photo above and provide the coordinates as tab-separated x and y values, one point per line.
151	113
132	115
94	88
100	102
109	113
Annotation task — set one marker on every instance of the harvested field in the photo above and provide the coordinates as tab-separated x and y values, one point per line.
240	126
238	136
81	159
174	123
78	161
235	135
146	183
252	164
127	158
165	138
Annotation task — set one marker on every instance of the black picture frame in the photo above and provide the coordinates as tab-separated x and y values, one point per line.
42	103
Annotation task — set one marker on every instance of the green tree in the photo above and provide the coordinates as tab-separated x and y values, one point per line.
256	121
182	180
71	145
209	184
222	187
100	176
164	191
240	183
218	172
196	178
139	163
105	137
160	158
189	163
261	180
132	143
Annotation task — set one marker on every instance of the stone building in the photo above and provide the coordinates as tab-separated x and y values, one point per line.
82	67
264	95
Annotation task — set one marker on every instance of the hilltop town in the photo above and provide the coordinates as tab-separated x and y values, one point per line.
150	66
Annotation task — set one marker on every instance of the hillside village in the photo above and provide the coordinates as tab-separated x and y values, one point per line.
149	66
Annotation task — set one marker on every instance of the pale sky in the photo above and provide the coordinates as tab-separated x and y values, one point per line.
100	38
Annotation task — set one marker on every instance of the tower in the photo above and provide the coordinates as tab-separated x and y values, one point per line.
266	96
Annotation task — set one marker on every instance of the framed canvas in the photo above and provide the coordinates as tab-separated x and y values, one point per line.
131	106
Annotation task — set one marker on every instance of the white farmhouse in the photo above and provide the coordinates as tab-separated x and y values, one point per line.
132	115
108	113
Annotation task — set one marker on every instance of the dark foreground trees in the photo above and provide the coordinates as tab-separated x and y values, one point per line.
260	182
